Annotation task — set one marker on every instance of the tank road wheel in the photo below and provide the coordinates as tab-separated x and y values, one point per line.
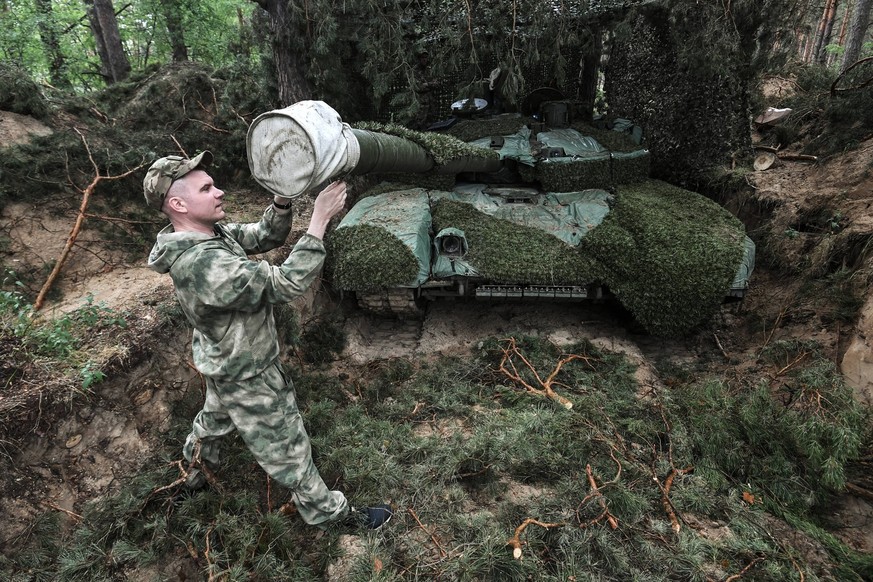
400	303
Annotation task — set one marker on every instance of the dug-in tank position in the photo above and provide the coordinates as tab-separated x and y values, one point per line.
509	207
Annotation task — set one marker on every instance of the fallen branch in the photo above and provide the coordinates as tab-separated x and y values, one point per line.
212	127
80	218
859	491
515	541
433	538
720	347
546	390
595	491
834	89
56	507
743	571
665	496
797	157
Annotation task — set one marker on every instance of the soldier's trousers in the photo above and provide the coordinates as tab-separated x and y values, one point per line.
264	411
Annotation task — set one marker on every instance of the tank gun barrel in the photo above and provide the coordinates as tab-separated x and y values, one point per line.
295	149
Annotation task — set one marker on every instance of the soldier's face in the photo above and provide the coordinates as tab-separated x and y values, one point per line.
203	201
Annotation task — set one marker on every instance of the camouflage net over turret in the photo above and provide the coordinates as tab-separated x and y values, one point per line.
587	173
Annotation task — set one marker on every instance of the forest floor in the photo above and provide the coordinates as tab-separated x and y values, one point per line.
73	454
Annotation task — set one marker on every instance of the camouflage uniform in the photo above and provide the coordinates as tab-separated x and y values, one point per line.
229	299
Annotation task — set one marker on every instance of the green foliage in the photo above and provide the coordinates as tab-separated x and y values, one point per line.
322	339
217	33
129	125
19	94
27	339
792	453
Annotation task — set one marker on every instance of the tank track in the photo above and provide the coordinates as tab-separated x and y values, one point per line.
399	303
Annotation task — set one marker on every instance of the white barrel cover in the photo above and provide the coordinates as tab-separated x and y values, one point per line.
295	149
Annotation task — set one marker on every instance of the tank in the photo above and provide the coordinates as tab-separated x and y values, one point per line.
509	207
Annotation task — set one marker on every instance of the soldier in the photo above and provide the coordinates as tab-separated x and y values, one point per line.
229	300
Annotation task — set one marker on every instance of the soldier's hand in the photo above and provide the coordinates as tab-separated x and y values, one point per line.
328	203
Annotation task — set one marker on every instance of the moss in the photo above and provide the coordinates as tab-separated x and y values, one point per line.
366	258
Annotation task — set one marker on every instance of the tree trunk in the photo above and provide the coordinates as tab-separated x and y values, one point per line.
830	58
825	28
175	30
48	34
591	72
857	30
114	64
290	77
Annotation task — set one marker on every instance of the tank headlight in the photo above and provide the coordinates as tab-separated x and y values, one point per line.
451	245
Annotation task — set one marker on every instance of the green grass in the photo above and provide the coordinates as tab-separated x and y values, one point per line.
466	455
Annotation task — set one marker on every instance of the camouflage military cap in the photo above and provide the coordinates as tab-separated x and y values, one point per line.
164	171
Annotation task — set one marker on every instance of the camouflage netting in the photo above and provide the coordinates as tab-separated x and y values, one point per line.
668	254
366	258
473	129
20	94
507	252
615	141
135	122
443	149
702	118
590	173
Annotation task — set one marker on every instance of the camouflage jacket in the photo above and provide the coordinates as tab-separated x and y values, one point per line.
229	298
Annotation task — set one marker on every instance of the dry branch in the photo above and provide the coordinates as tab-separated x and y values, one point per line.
433	538
596	491
515	541
80	218
834	89
665	495
743	571
546	390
